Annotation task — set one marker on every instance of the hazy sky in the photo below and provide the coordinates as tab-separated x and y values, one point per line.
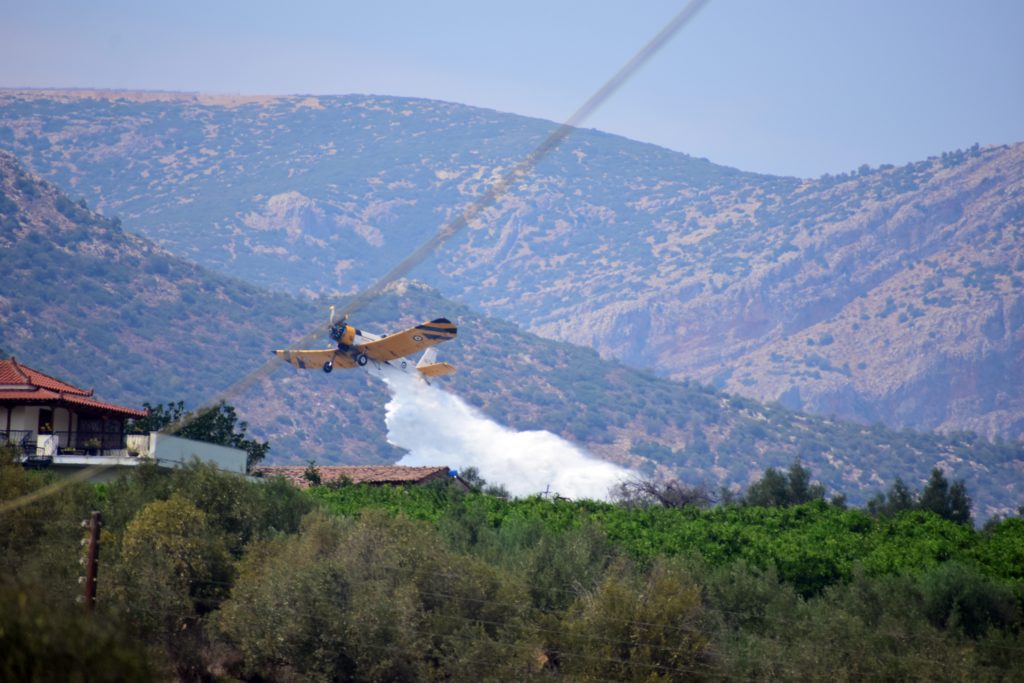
786	87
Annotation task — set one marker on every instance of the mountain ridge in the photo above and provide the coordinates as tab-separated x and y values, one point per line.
142	324
844	294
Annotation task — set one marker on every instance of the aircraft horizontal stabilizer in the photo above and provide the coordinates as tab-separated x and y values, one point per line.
436	369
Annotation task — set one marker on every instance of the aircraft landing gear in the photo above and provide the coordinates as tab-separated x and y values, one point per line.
361	359
328	366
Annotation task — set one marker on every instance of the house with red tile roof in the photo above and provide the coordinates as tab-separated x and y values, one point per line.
45	415
64	427
375	475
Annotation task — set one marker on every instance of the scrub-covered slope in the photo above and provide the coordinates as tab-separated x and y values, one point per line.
83	300
888	294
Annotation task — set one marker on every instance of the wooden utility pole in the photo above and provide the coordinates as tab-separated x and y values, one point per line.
92	562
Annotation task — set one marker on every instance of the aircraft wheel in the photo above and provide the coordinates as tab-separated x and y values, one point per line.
328	366
361	359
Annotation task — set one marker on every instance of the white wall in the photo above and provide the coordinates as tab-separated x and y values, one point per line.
173	450
25	418
61	420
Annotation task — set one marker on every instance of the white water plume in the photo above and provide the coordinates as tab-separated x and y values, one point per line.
439	428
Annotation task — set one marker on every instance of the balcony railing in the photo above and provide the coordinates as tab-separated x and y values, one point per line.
23	439
89	443
68	442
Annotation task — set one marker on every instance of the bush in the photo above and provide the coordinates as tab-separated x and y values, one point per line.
41	643
958	597
377	598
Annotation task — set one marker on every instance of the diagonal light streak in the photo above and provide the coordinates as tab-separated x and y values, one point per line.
444	234
487	200
52	488
524	167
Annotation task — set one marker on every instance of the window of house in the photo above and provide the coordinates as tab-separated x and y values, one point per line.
45	424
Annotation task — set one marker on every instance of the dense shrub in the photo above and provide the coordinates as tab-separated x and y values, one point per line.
207	574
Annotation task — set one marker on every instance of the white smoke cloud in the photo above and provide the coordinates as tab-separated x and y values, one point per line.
439	428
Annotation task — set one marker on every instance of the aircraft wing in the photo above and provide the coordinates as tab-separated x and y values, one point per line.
410	341
315	359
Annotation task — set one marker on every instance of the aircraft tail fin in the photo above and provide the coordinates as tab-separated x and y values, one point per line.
429	356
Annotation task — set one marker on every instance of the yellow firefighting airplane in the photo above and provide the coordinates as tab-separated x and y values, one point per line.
358	349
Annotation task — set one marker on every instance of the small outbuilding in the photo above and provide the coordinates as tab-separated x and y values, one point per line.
374	475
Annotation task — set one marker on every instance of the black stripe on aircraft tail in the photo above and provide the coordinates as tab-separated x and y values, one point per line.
438	336
428	328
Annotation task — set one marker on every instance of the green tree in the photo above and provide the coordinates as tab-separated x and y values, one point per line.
648	628
899	499
312	474
771	490
172	566
959	597
374	599
217	425
562	566
290	607
158	416
39	643
239	509
801	490
948	502
778	489
471	475
18	524
959	503
935	495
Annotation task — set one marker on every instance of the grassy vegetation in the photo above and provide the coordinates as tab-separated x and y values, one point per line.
207	575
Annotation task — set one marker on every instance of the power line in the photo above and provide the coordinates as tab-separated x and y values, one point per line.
52	488
488	199
444	234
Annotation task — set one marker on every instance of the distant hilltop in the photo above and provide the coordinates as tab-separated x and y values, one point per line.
891	294
148	326
71	94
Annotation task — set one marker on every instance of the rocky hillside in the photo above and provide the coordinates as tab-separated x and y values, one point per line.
84	300
888	294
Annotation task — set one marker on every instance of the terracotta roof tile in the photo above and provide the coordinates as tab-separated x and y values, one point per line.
40	380
13	372
41	387
10	373
31	394
357	474
100	405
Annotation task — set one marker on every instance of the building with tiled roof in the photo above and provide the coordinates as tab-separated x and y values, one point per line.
39	410
360	474
66	428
